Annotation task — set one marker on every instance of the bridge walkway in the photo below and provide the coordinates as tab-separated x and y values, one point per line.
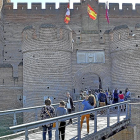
103	125
71	130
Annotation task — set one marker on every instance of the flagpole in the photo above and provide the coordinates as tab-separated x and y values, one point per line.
88	22
69	9
98	16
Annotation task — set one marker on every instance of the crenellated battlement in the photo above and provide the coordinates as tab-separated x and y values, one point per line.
114	10
22	8
35	6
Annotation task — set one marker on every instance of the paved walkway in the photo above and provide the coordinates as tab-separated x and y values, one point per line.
71	130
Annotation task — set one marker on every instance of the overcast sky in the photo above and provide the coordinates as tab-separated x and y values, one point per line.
57	2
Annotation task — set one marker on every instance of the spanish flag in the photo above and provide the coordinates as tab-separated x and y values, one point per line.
67	15
92	14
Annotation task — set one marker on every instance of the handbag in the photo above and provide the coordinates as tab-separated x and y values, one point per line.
91	116
54	124
73	108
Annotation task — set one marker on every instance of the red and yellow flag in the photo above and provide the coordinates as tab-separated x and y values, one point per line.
67	15
92	14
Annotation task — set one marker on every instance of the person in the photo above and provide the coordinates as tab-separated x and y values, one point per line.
110	96
70	105
47	112
61	110
96	98
107	94
116	89
88	104
86	91
121	97
116	97
102	98
127	94
82	95
89	92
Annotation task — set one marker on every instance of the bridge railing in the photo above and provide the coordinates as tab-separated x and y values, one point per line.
15	116
26	127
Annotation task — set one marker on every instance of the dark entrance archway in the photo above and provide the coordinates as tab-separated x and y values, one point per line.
91	81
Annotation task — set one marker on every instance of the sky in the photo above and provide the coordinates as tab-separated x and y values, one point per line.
71	5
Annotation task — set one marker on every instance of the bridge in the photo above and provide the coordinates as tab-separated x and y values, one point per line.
103	126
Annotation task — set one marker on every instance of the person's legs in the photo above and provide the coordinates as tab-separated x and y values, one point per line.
50	132
82	119
63	125
101	105
44	132
87	120
59	130
69	112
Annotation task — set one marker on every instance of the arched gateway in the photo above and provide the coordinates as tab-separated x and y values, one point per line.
90	81
91	77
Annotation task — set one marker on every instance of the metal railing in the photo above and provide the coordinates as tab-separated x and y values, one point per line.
29	109
26	127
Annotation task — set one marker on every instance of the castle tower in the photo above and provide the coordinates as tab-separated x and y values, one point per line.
125	57
46	64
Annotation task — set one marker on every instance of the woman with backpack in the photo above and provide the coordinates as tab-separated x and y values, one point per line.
47	112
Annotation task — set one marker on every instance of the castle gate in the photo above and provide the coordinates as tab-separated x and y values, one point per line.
90	81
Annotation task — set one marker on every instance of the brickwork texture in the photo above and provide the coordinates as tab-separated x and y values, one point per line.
38	51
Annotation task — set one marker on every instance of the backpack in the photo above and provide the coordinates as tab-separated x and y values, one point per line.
91	116
115	96
102	97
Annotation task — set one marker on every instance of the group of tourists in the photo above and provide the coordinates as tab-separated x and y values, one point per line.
48	111
106	97
91	99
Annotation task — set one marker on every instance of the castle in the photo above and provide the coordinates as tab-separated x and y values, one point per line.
41	56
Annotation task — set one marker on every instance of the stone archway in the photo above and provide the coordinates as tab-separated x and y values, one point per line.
90	81
100	77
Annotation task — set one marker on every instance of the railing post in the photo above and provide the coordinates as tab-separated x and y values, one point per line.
118	114
79	106
126	110
129	111
36	116
57	131
95	122
26	134
108	117
14	121
79	128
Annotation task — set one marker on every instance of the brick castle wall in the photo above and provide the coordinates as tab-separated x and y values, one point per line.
87	35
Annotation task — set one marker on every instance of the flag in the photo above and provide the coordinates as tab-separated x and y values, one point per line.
67	15
107	17
92	14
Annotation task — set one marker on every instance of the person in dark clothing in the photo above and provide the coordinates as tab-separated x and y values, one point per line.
61	110
102	98
69	105
116	97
